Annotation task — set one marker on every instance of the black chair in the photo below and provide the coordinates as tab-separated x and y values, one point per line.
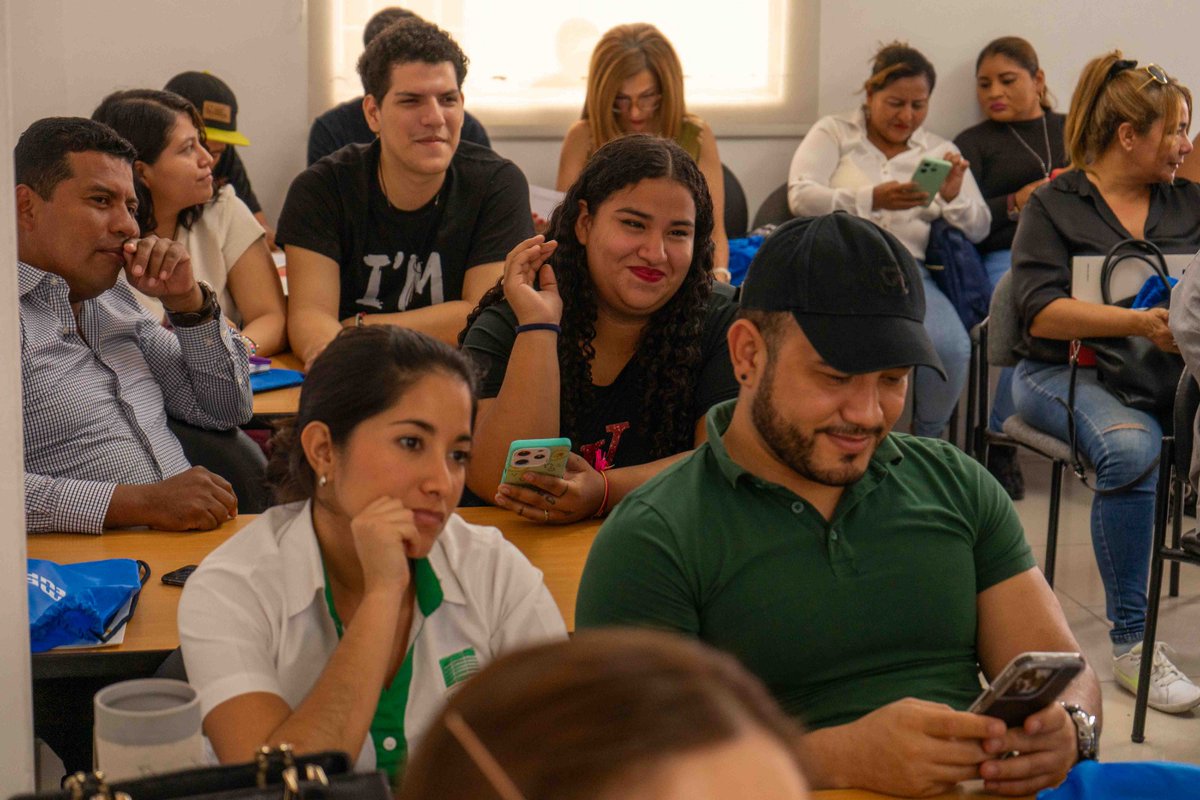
992	343
774	210
231	454
736	213
1173	467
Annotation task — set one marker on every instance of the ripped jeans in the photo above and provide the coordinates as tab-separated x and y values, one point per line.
1121	443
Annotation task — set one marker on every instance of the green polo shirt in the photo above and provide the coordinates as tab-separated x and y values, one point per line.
838	618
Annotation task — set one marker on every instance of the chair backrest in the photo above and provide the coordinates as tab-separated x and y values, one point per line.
1003	325
736	213
1187	402
774	210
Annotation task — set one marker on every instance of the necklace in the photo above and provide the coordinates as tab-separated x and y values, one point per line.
1049	162
383	185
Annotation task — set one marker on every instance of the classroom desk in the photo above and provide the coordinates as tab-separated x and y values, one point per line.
279	402
559	551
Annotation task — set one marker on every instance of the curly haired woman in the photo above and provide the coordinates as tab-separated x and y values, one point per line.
608	334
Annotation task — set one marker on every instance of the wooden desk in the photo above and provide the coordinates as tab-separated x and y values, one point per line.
279	402
559	551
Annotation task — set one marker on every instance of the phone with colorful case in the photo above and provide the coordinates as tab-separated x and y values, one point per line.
930	175
543	456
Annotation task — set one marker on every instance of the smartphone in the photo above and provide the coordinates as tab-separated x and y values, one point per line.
177	577
543	456
1029	683
930	175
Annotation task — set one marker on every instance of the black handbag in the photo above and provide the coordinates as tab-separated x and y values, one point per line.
1133	368
274	775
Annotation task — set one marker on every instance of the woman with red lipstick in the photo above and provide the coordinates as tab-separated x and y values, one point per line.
862	162
341	619
635	85
1012	152
608	334
173	179
1126	134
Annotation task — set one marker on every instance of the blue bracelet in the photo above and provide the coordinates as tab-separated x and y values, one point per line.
539	326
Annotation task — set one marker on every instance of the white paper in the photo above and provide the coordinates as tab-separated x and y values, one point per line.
543	201
117	637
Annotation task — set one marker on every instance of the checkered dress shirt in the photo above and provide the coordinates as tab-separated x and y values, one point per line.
96	397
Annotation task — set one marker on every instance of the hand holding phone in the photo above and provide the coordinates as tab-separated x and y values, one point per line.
930	174
541	456
1029	683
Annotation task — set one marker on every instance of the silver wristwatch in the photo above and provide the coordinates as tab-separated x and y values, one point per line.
1087	738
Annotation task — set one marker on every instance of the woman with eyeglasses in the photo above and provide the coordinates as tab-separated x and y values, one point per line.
863	162
341	619
1012	152
1126	134
611	715
635	85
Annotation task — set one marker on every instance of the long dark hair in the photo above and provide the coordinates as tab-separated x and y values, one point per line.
362	372
147	117
1020	52
669	350
568	720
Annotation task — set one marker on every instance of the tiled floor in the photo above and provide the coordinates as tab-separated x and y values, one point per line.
1078	586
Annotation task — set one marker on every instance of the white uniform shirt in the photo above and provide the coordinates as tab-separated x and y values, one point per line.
836	168
253	616
222	234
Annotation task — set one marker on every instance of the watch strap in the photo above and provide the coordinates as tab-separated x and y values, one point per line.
1087	738
209	309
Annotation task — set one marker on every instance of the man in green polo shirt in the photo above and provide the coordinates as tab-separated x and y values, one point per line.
866	576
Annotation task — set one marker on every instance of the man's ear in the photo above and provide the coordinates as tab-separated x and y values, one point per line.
28	204
747	352
371	112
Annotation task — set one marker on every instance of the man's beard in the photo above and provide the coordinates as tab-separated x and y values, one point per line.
792	447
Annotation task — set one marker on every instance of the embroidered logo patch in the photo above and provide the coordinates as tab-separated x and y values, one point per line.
459	666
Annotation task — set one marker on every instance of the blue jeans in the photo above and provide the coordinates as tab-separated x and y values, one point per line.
997	263
1121	443
936	398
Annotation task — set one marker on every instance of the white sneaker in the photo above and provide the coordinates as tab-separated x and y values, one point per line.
1170	690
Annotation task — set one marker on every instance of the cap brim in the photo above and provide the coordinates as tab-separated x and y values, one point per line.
857	344
227	137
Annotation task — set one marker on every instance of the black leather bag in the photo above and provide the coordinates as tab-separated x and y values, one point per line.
275	775
1131	367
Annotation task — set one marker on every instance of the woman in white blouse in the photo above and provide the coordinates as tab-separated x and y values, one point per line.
862	162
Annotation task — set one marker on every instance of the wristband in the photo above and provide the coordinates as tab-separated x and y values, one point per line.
250	345
539	326
719	271
603	509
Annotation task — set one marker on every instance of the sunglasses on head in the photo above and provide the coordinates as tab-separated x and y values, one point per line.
1157	74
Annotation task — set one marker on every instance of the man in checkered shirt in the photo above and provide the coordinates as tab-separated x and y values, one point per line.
99	375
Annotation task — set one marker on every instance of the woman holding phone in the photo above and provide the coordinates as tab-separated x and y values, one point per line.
173	178
608	334
1012	152
1126	133
341	619
863	162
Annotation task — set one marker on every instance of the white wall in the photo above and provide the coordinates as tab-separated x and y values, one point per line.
16	734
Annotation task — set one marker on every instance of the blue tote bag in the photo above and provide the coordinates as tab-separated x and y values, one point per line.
79	604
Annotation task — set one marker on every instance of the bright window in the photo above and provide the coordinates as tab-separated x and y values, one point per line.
529	58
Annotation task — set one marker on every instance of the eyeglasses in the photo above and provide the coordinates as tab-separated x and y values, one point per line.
646	103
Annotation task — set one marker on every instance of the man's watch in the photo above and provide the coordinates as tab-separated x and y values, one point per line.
1087	738
209	309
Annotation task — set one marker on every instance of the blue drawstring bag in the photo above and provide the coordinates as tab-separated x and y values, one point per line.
741	253
1139	780
962	276
78	604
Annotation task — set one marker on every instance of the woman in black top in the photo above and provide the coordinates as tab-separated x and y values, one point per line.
1126	134
1012	152
608	334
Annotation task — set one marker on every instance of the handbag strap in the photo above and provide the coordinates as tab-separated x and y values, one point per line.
1142	250
1073	440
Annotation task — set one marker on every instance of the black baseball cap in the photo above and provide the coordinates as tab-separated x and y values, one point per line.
853	288
214	100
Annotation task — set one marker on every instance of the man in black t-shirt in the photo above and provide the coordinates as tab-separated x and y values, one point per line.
412	229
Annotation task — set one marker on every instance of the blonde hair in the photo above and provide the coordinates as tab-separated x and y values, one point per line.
1103	101
621	53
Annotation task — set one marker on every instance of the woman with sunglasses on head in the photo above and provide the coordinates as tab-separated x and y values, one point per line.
611	715
1012	152
862	162
635	85
340	619
1126	134
174	183
608	334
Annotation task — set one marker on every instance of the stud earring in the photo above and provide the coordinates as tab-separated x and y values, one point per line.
322	480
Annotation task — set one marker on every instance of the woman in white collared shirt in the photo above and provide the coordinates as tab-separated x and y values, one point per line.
862	162
342	619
